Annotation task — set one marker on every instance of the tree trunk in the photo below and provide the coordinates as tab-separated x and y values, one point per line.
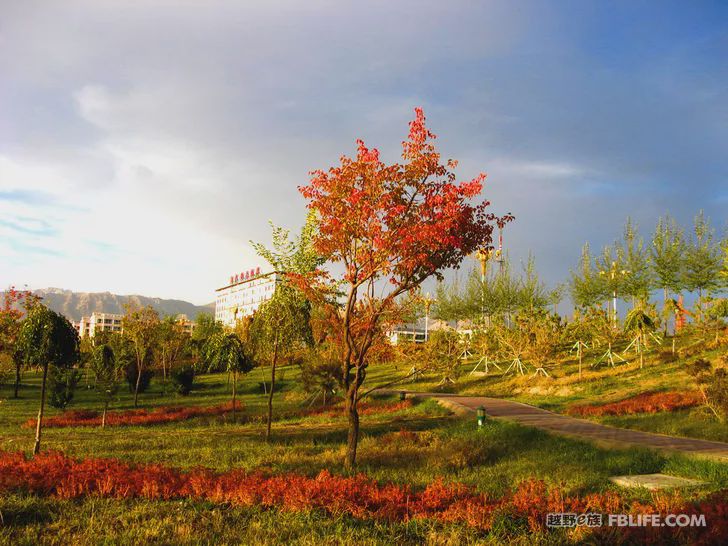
136	388
17	380
664	302
103	415
580	358
639	347
235	380
39	423
164	376
272	387
353	436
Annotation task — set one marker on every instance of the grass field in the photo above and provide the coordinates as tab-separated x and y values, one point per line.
436	445
599	385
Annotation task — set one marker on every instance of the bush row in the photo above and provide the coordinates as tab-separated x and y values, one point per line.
54	474
164	414
653	402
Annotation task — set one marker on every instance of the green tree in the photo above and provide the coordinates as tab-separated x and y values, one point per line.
280	326
544	332
442	354
173	342
62	384
46	339
586	286
505	289
638	283
225	351
703	258
205	328
283	323
667	253
581	331
611	267
108	373
531	293
141	328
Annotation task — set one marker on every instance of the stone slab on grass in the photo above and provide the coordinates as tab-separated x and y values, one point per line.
654	482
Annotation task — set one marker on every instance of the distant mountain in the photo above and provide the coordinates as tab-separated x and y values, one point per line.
74	305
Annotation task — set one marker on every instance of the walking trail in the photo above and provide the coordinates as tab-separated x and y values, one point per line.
579	428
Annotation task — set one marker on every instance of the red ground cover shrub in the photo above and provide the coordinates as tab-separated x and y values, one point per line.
164	414
54	474
643	403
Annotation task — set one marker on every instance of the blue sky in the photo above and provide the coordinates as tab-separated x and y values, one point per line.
143	144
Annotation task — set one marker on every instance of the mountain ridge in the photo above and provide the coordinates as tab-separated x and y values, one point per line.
75	305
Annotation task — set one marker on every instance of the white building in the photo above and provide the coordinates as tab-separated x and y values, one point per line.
98	322
243	295
112	322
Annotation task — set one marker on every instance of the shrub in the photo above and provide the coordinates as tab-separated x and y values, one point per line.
643	403
6	369
54	474
183	378
164	414
713	385
61	385
323	376
131	378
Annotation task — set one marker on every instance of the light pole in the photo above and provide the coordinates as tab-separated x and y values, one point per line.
427	301
483	255
613	274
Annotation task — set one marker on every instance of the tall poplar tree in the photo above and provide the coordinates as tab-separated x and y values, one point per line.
283	324
639	282
667	253
586	286
703	258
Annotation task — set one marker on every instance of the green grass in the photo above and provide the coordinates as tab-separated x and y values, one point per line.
598	385
493	460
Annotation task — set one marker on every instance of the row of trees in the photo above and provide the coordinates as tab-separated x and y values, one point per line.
672	262
630	269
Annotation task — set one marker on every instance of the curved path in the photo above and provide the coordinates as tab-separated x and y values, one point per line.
578	428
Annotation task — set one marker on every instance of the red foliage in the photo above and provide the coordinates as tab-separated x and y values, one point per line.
54	474
643	403
164	414
410	219
10	315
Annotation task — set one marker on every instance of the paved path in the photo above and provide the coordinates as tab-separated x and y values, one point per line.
579	428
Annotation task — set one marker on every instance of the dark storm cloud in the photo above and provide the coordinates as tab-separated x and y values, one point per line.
202	118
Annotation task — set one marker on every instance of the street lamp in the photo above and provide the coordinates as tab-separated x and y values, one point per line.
427	301
613	274
483	255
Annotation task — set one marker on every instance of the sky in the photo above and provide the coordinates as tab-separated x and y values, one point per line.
144	144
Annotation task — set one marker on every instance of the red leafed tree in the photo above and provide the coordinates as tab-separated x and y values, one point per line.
10	317
390	227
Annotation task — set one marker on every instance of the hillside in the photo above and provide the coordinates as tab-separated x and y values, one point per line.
74	305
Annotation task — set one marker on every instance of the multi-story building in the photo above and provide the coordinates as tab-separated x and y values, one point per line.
243	295
112	322
187	324
99	322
